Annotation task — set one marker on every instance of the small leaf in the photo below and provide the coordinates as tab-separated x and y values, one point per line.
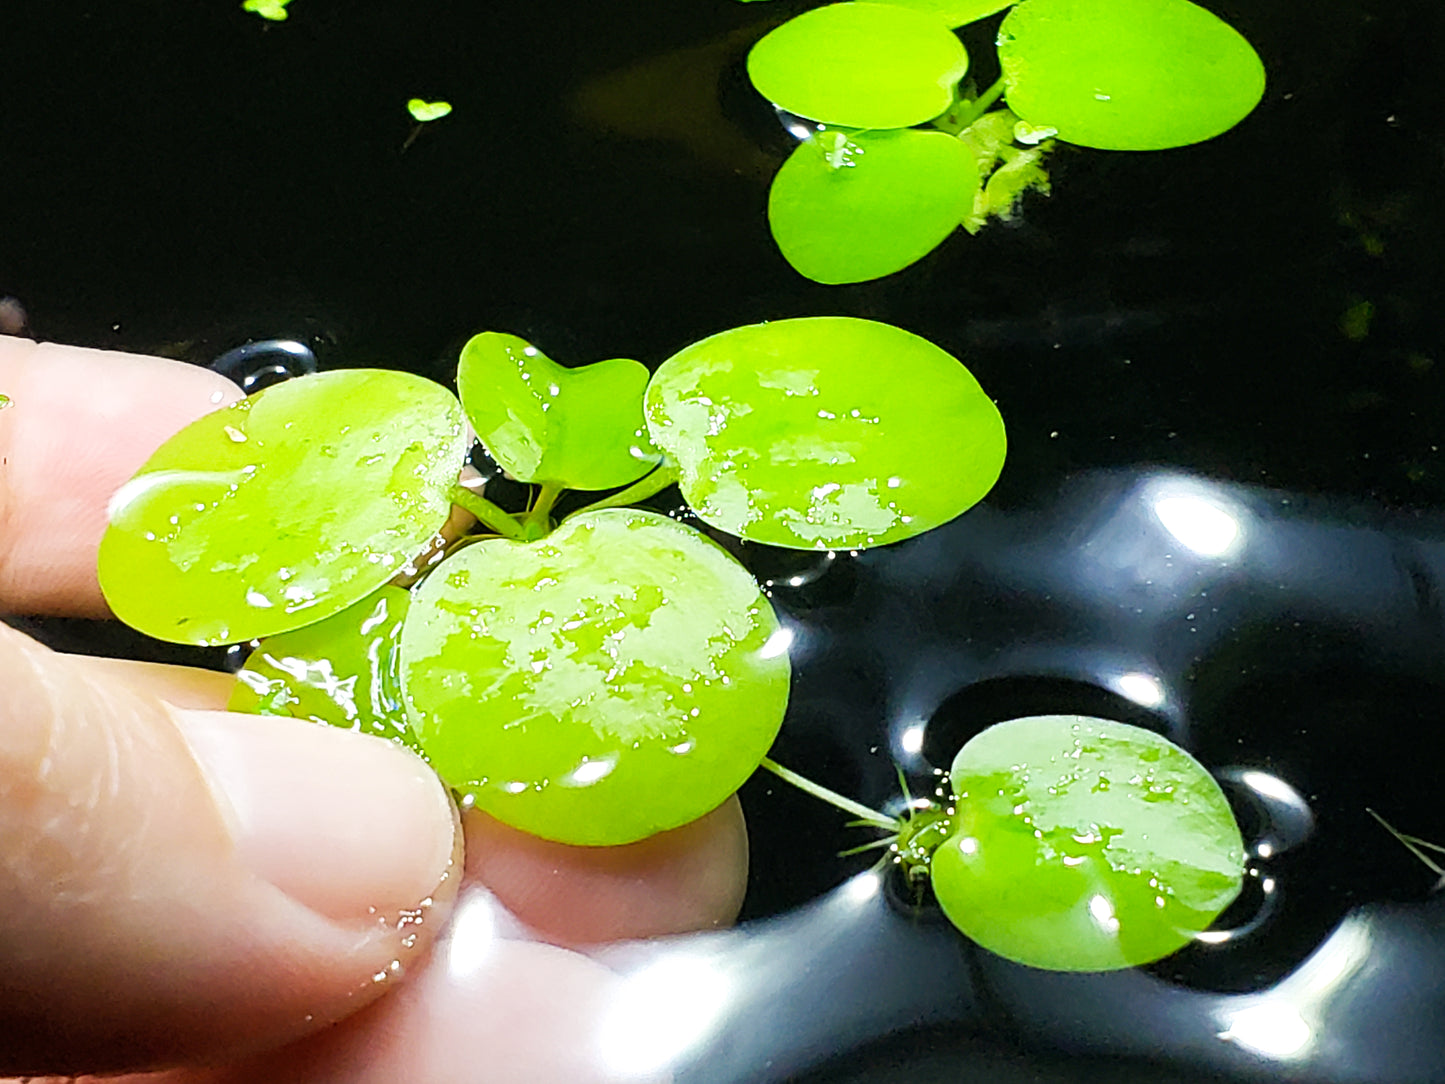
578	428
423	111
275	10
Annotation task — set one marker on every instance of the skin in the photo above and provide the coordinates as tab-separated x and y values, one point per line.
184	887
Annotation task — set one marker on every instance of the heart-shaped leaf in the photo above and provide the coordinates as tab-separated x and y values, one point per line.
618	678
847	207
826	432
423	110
860	65
275	10
1127	75
284	508
576	428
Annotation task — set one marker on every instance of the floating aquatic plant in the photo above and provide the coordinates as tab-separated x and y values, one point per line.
1068	843
593	681
1107	74
616	674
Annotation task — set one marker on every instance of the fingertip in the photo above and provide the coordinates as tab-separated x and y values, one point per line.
691	878
79	422
156	912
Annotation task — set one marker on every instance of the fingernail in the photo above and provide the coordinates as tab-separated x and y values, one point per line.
347	824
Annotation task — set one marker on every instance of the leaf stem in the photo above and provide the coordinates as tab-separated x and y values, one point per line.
537	524
862	812
979	106
655	482
487	512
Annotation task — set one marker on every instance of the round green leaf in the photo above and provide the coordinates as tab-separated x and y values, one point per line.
826	432
618	678
1084	845
848	207
344	670
954	12
283	508
577	428
1129	75
859	64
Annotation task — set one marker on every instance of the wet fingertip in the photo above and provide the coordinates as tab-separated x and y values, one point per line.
349	825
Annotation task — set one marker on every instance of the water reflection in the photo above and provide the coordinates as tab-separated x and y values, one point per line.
1281	1023
1204	610
1200	523
256	365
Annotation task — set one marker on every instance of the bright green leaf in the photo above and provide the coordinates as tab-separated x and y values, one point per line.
1127	74
1084	845
423	111
578	428
847	207
284	508
825	432
862	65
275	10
345	670
618	678
954	12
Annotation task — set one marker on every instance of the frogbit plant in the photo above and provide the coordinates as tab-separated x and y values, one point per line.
593	681
866	193
617	674
1069	843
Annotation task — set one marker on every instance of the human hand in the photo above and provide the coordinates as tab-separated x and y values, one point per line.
183	886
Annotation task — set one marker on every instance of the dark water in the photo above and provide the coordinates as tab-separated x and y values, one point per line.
1223	514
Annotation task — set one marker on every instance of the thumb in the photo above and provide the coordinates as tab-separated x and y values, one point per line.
181	886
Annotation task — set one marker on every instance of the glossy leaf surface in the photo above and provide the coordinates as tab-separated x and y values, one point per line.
848	207
345	670
618	678
861	65
825	432
579	428
1127	74
284	508
1083	844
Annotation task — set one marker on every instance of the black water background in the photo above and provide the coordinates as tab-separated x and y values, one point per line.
178	177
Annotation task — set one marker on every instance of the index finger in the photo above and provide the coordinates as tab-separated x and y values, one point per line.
78	423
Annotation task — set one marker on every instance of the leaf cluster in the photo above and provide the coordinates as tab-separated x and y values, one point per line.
868	192
596	680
